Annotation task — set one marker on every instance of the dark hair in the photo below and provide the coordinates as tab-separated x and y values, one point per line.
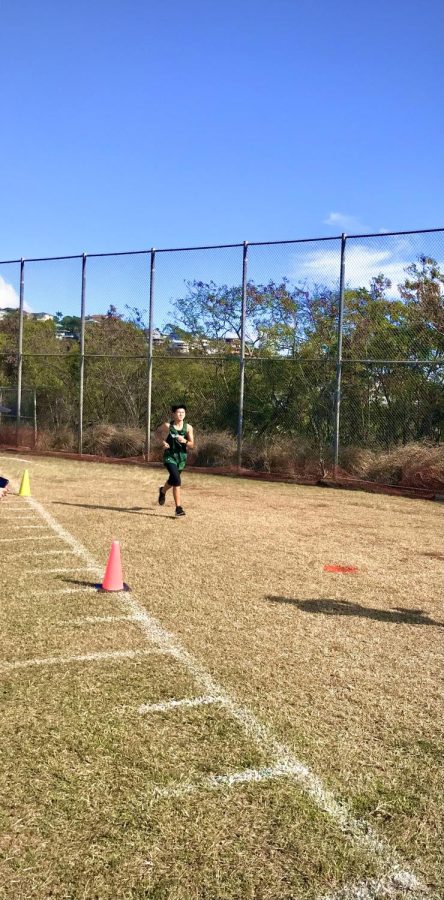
178	406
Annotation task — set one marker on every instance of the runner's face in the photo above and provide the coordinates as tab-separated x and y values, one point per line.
179	415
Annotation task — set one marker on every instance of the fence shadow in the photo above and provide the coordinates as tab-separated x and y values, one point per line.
346	608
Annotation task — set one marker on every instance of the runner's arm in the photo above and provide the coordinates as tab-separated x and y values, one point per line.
162	434
190	436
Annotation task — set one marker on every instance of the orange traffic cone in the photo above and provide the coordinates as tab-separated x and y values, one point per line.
113	579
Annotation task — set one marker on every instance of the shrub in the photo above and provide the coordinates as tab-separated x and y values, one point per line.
96	439
110	440
127	442
8	433
357	461
216	448
284	455
58	438
414	464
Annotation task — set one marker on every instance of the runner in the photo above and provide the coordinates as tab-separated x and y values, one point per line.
4	487
176	438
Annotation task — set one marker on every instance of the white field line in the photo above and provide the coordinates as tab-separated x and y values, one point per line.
13	458
175	704
377	888
359	830
39	553
11	520
213	782
60	571
281	755
23	527
96	620
30	537
73	590
19	514
114	655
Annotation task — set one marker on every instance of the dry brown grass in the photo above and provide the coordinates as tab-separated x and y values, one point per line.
217	448
413	465
8	434
113	440
417	464
282	456
62	438
343	669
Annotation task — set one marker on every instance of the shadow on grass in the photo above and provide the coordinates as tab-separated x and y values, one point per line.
345	608
137	510
89	584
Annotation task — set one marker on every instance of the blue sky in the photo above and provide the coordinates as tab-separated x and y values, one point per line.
129	125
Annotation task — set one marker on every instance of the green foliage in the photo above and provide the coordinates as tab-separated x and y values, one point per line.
71	324
392	377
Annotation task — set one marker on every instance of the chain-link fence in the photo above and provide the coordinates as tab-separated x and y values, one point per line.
293	356
26	433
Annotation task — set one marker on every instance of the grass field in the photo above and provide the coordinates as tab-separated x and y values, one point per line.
242	724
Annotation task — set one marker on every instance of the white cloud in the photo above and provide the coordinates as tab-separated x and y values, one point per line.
362	263
8	296
343	221
9	299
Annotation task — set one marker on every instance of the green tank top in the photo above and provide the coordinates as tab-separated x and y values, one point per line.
177	452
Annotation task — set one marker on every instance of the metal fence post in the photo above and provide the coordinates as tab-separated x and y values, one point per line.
35	417
242	355
150	355
339	356
20	351
82	352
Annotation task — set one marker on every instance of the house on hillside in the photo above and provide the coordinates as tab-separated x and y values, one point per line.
66	336
37	316
96	319
7	311
233	344
40	316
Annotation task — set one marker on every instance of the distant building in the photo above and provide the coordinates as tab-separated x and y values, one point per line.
6	311
233	344
66	336
96	319
40	316
181	347
37	316
158	337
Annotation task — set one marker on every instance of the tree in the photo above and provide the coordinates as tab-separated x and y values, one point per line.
115	371
276	315
423	292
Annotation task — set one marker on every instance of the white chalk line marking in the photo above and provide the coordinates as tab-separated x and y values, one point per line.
176	704
30	537
213	782
23	527
73	590
19	514
98	656
96	620
362	834
39	553
376	888
60	571
359	830
13	458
